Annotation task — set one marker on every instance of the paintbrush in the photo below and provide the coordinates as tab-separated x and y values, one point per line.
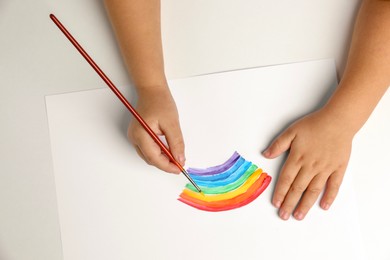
122	98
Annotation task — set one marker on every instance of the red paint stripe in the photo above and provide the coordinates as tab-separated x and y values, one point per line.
253	192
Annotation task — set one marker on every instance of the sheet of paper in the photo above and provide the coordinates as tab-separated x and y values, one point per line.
114	206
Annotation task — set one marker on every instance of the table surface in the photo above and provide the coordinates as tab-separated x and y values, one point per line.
198	36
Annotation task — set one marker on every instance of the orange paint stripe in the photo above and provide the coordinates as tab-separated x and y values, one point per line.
252	193
263	186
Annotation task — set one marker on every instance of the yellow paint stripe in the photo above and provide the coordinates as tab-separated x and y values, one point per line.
229	195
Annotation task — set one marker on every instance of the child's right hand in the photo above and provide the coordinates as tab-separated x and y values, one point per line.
158	109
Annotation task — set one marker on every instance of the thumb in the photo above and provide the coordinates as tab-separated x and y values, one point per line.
175	141
281	144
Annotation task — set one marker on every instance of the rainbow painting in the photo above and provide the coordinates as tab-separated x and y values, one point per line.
231	185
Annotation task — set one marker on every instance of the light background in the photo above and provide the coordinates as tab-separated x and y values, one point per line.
199	37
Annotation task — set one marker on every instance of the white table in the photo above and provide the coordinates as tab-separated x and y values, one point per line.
199	37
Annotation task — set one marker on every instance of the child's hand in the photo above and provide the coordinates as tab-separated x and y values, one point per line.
319	152
158	109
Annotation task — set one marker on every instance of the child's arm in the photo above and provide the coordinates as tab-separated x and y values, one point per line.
137	27
320	143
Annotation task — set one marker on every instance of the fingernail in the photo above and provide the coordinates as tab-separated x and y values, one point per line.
298	215
278	203
266	153
284	215
325	206
181	159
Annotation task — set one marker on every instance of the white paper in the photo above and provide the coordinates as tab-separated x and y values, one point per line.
114	206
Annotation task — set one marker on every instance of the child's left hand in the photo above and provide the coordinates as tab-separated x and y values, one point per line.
320	146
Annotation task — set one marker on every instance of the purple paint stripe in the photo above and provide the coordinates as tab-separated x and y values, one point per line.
215	169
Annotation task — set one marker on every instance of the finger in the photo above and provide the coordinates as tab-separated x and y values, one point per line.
130	135
133	142
332	189
281	144
175	141
310	196
287	176
153	154
140	154
295	193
